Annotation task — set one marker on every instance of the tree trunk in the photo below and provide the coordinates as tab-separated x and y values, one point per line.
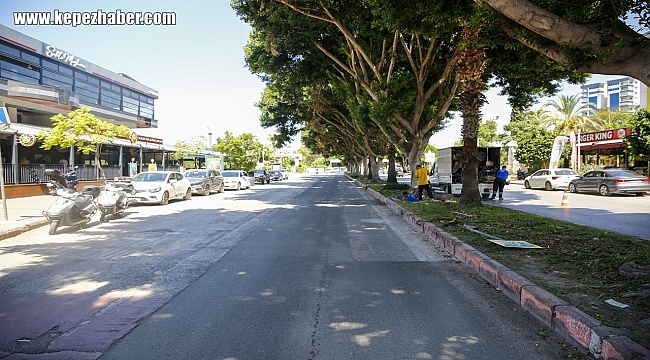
392	176
471	66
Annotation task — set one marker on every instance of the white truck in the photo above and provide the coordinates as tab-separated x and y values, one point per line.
447	173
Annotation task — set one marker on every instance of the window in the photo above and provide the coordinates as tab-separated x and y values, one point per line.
19	71
110	99
30	58
9	50
49	64
87	92
55	79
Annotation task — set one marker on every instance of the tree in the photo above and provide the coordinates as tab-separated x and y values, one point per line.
589	36
638	143
534	148
605	119
84	131
571	116
240	150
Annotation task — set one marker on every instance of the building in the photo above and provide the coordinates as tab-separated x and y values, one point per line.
623	92
39	80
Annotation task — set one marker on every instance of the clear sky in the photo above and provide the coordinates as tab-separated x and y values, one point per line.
197	65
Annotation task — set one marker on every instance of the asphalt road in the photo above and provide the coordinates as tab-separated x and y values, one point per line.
625	214
327	273
310	268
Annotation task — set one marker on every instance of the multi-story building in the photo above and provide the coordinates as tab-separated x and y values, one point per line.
623	92
39	80
607	147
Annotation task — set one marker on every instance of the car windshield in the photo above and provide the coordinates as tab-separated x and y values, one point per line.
195	174
230	174
150	177
259	172
623	173
565	172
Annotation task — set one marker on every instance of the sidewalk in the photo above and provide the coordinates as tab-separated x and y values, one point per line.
23	214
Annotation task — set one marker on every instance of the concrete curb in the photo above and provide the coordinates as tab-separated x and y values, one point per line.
581	330
17	229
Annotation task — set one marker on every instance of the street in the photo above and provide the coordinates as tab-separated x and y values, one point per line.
306	268
625	214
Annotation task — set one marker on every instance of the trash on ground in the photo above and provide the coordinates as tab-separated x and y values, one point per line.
505	243
617	304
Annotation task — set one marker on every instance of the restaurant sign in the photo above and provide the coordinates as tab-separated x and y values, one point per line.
605	135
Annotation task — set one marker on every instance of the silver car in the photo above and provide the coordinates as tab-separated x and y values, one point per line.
606	182
550	179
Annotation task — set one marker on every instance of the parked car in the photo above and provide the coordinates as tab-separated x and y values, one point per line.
204	181
275	175
550	179
399	171
606	182
261	176
159	187
285	174
236	180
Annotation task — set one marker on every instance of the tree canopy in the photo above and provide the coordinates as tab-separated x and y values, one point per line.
601	37
84	131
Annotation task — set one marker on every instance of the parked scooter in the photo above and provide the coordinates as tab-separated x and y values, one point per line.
72	208
113	200
61	181
521	175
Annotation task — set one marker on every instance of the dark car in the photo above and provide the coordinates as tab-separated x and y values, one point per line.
261	176
606	182
204	181
276	175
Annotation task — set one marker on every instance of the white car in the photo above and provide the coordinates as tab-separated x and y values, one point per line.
235	180
550	179
158	187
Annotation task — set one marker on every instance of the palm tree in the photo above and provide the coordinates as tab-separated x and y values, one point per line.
471	65
570	110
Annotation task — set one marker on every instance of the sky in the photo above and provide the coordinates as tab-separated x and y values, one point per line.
197	66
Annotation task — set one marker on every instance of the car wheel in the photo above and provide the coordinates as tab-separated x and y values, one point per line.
640	194
548	186
165	198
603	190
221	188
527	184
572	188
238	186
207	189
188	194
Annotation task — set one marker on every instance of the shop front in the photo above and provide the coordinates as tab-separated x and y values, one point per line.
606	148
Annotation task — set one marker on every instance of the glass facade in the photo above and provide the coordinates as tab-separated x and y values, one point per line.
23	66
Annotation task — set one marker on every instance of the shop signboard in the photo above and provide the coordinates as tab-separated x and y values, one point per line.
605	135
214	162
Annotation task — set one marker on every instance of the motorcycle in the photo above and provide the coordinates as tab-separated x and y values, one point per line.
521	175
72	208
113	200
61	181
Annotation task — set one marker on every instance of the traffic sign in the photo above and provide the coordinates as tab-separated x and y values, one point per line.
4	117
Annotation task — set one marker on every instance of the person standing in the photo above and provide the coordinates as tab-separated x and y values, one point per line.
499	182
423	181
